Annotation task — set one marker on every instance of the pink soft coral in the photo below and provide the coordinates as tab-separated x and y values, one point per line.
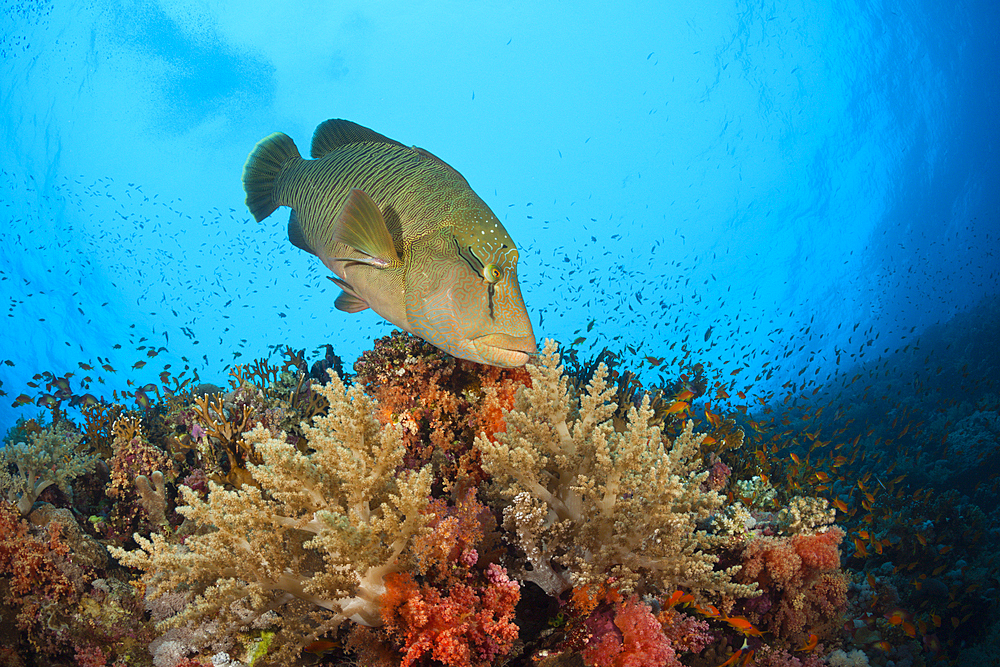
804	590
638	642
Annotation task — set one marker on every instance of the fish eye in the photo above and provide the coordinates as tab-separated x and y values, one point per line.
491	273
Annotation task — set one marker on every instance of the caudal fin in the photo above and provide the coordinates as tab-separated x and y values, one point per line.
261	170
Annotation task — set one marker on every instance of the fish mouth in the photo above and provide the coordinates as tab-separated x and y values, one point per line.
505	350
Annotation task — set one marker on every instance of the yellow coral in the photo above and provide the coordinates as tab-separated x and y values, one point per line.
601	503
806	516
324	527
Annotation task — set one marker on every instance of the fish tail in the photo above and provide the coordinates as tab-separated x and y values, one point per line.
262	169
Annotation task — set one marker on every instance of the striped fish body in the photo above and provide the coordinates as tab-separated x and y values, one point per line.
404	234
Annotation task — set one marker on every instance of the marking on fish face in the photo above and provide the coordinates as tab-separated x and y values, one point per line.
490	267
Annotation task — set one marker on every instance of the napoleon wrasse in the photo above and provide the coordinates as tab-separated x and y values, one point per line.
405	235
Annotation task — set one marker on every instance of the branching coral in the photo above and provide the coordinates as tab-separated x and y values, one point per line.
600	503
324	527
50	457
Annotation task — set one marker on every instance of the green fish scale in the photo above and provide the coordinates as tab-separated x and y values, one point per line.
413	194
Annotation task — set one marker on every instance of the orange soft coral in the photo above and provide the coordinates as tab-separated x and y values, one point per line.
469	626
442	402
448	551
33	569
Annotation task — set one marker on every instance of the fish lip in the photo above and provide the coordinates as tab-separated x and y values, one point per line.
518	349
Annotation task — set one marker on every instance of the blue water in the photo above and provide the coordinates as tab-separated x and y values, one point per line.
755	179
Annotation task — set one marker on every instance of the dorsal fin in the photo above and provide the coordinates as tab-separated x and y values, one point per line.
427	155
336	132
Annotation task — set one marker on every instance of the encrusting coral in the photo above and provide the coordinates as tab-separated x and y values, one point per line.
591	503
324	527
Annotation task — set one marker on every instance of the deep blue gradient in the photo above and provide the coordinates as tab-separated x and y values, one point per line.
777	173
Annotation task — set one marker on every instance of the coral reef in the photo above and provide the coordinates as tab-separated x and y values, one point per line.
433	511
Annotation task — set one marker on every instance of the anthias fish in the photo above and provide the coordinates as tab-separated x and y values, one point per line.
405	235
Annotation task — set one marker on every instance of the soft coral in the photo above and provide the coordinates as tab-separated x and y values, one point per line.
638	642
464	628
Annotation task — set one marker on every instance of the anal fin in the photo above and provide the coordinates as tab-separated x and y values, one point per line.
295	235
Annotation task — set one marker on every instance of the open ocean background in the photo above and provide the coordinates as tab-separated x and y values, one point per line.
792	188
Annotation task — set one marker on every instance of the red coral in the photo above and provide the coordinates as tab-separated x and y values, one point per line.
90	656
33	567
464	628
638	641
134	456
28	563
718	477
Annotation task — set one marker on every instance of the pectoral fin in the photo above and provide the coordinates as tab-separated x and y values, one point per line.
361	226
350	303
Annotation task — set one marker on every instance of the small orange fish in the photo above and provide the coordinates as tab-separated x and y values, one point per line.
861	551
882	646
685	395
678	597
839	504
795	457
320	647
732	660
743	625
810	644
708	611
679	406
